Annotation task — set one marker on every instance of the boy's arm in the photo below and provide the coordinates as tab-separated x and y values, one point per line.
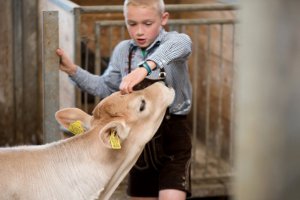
135	77
66	64
129	81
96	85
177	46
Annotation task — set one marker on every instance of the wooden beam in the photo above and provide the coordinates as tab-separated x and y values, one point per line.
7	117
31	99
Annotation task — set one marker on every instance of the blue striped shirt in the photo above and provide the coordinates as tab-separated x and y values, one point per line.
170	50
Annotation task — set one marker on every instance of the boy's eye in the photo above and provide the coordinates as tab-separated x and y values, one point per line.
148	23
131	23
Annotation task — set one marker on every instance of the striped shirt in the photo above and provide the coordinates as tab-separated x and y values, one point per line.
170	50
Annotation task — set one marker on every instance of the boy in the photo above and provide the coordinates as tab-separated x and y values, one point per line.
163	169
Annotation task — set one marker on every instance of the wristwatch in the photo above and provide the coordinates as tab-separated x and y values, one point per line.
145	65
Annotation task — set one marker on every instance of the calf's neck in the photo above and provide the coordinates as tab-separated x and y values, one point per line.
86	166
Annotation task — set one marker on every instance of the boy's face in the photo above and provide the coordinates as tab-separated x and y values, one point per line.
144	23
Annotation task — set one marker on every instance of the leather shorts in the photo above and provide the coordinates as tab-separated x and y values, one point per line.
165	160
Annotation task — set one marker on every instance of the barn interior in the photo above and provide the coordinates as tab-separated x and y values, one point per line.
88	31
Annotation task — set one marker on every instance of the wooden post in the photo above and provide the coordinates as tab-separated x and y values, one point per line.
7	97
50	75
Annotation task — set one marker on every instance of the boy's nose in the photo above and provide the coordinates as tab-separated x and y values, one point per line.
140	31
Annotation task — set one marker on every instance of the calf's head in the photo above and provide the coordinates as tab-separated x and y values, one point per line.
135	116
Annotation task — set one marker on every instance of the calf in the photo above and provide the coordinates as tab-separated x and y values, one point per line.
86	166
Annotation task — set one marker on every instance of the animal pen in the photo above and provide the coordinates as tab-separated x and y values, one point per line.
89	34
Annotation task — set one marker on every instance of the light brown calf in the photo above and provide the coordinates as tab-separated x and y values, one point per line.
85	166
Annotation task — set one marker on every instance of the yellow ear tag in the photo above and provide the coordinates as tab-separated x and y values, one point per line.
114	140
76	127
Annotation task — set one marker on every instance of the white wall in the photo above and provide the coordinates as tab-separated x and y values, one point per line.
268	101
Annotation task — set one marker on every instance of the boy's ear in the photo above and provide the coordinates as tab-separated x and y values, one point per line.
68	116
118	128
164	19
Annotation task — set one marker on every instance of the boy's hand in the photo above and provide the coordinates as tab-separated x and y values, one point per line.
66	64
135	77
129	81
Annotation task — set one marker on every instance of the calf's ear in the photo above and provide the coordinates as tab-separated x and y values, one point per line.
113	133
67	116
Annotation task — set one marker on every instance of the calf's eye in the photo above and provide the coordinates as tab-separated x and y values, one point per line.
142	105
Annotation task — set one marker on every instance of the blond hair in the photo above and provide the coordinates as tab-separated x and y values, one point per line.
157	4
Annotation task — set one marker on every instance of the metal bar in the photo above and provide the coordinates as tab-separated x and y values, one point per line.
18	63
97	50
97	55
169	8
86	66
123	32
199	7
232	98
77	45
220	129
110	35
195	96
50	75
174	22
171	28
183	28
207	110
101	9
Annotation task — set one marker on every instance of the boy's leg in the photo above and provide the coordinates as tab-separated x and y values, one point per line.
165	195
172	194
143	179
172	178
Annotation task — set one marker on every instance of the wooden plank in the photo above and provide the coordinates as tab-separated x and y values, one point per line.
18	71
6	75
51	75
30	71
